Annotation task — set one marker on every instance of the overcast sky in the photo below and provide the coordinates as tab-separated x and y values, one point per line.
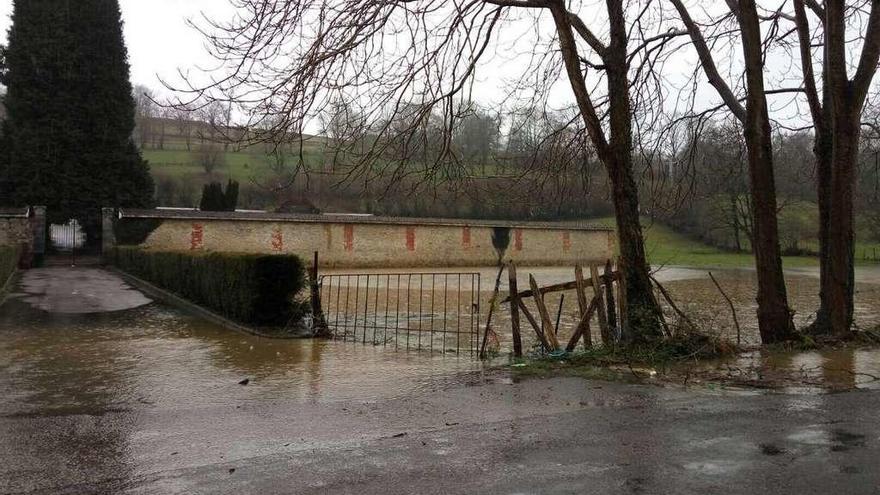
159	40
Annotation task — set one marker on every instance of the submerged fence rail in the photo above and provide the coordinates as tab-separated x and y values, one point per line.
421	311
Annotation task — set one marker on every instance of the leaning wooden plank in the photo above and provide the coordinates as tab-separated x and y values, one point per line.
600	308
535	325
492	303
514	311
583	328
549	330
556	288
582	299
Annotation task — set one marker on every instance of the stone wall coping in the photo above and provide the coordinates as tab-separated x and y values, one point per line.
15	212
251	216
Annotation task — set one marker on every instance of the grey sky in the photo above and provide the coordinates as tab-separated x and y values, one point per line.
159	41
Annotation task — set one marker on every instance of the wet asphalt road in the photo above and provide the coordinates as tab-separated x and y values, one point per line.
562	435
147	400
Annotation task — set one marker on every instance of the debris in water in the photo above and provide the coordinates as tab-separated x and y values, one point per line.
398	435
231	470
518	365
770	449
245	381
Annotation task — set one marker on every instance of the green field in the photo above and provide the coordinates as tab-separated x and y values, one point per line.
666	247
238	165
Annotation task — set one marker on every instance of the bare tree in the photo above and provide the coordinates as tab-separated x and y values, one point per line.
774	314
836	112
145	110
183	123
210	156
291	59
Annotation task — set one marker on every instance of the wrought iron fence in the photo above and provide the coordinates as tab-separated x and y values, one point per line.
422	311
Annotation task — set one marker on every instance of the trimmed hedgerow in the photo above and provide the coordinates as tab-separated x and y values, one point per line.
254	289
9	256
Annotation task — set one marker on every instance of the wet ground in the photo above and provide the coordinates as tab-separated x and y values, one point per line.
148	400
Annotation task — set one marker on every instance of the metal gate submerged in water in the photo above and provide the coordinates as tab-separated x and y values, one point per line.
421	311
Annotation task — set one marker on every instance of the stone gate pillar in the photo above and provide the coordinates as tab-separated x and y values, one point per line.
38	224
108	234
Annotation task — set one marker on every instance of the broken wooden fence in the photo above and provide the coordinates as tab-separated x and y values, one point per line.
596	297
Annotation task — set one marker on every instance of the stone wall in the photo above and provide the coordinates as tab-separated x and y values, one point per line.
22	228
364	242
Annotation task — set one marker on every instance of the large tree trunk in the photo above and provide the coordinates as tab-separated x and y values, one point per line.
822	149
846	99
774	316
839	283
643	312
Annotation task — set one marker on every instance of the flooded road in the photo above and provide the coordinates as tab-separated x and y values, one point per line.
157	355
149	400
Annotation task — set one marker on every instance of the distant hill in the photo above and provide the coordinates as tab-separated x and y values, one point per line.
170	134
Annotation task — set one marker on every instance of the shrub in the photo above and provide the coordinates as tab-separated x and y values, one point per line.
214	198
253	289
9	256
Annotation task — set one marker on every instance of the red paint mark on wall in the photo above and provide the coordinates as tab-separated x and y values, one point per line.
518	239
566	241
348	237
277	240
466	237
197	237
410	238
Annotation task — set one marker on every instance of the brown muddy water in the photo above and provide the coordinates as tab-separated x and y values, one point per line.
693	291
157	355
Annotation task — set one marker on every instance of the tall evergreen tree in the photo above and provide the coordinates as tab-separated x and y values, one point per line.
68	133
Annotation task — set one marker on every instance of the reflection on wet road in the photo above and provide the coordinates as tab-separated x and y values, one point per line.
148	400
158	355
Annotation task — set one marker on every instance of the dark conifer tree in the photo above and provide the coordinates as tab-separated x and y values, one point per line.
68	133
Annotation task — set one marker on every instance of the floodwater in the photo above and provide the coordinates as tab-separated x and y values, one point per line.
691	289
694	293
157	355
149	400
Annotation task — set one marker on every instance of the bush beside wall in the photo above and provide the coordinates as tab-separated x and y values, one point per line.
9	257
252	289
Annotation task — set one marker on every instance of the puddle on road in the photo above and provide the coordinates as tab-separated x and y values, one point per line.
794	372
52	364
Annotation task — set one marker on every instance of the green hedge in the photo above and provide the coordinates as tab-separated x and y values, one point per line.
253	289
9	256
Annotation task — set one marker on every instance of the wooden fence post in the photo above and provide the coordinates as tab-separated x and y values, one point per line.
582	302
600	304
514	310
318	321
549	332
612	307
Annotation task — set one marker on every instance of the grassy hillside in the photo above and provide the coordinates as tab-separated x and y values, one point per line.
666	247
